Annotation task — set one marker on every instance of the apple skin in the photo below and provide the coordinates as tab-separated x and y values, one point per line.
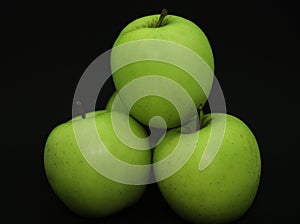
110	101
120	108
223	191
79	186
175	29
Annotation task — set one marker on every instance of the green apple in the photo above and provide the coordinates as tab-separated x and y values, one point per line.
79	185
226	188
172	48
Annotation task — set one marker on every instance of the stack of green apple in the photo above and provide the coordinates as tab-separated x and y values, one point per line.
220	193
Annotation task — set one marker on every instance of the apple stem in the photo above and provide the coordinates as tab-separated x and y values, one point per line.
200	112
196	123
80	109
163	14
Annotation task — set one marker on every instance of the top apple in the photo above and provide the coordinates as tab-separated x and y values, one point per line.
162	65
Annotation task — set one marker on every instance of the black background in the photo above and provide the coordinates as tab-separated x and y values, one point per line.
46	46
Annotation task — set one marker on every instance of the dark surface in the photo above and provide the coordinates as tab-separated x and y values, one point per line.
46	47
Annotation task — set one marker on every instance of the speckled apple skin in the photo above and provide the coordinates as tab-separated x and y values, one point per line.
80	187
223	191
